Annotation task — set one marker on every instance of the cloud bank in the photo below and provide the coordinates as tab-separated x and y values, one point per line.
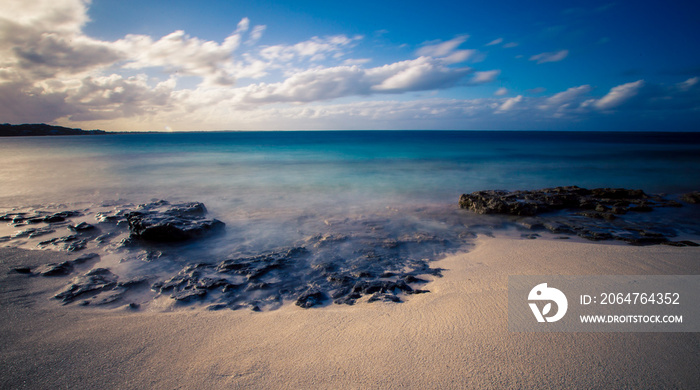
51	71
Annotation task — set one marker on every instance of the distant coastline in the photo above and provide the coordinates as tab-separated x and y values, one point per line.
42	129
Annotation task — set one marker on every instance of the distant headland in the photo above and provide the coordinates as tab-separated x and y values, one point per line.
36	129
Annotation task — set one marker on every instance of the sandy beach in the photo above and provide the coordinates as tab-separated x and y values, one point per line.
454	337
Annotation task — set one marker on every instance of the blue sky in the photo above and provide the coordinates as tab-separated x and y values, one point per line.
273	65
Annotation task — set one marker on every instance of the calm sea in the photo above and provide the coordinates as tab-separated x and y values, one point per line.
307	170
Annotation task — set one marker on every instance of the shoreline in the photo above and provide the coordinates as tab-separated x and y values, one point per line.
455	336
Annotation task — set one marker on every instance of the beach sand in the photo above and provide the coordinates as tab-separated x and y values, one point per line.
454	337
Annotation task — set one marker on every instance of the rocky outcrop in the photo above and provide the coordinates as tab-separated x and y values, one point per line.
180	222
595	214
691	197
604	201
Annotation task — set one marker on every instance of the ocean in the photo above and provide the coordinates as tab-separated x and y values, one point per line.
354	189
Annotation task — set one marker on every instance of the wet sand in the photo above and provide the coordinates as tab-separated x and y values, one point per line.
454	337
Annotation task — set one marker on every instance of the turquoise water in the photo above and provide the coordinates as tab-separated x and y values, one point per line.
301	170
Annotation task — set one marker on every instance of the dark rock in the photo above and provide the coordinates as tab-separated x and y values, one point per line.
384	298
133	306
168	227
257	266
81	227
641	238
114	296
75	246
691	197
189	208
135	282
102	238
55	269
595	235
93	282
347	300
531	223
619	210
211	283
217	306
680	243
310	298
34	232
641	207
597	215
22	270
556	227
85	258
188	295
413	279
531	236
618	193
523	203
383	286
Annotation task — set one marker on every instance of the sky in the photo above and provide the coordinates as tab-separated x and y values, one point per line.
147	65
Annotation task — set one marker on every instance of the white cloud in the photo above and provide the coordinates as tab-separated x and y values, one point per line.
243	26
565	98
485	76
554	56
494	42
510	45
688	84
447	51
441	49
256	34
509	104
51	71
178	52
318	84
315	49
619	95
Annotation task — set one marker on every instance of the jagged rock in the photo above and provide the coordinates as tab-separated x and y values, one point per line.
524	203
188	295
531	223
691	197
680	243
93	282
55	269
179	223
217	306
383	286
413	279
22	270
34	232
85	258
384	298
310	298
81	227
